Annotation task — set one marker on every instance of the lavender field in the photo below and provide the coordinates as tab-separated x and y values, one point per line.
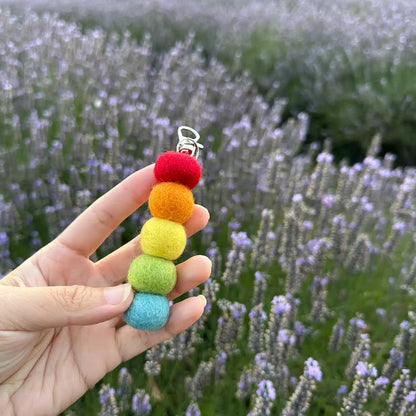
311	298
349	64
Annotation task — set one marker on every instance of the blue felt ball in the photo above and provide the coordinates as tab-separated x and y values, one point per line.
147	311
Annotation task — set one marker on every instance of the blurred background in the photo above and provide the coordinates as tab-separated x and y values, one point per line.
307	111
349	65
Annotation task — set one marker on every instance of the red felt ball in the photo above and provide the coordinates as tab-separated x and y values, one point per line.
177	167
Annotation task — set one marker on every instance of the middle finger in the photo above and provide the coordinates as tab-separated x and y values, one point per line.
113	268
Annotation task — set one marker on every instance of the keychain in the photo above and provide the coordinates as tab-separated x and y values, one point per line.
152	275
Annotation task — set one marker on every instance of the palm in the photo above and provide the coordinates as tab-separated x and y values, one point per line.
57	365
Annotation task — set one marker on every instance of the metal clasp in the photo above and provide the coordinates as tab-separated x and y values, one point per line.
188	145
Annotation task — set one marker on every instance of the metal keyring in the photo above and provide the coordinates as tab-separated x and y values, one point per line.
188	145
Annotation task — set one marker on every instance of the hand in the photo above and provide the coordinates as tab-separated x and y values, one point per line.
61	322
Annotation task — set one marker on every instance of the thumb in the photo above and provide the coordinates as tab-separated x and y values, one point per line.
36	308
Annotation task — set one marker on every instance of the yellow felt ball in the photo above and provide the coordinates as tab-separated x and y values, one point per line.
171	201
163	238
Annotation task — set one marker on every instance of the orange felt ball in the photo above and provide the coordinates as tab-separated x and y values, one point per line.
171	201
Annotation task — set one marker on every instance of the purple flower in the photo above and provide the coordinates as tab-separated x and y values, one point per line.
358	322
368	206
399	226
411	396
297	198
4	239
258	276
106	393
328	200
299	328
307	225
211	252
238	309
312	369
371	162
266	389
241	239
284	336
324	157
361	368
260	360
252	313
141	404
381	381
280	304
271	235
364	369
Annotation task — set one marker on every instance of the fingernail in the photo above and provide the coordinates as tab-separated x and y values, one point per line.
117	294
209	261
203	300
209	215
201	206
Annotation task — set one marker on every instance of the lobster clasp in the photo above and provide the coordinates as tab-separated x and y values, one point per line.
188	145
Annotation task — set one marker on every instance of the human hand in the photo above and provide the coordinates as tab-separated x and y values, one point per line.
61	322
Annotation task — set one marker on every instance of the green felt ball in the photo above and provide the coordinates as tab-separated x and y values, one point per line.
152	274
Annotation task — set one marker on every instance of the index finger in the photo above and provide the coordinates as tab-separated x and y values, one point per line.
97	222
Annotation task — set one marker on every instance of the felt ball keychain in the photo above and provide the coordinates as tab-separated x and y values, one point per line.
153	274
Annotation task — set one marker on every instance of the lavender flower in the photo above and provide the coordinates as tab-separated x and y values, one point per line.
337	336
202	377
124	388
154	356
278	320
408	404
380	385
193	410
354	401
244	384
236	258
357	325
319	294
259	287
140	405
359	355
265	396
399	392
393	364
264	242
229	325
256	331
108	401
300	399
358	256
220	366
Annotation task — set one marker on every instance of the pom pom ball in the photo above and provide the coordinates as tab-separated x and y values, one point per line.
163	238
177	167
147	312
171	201
152	275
